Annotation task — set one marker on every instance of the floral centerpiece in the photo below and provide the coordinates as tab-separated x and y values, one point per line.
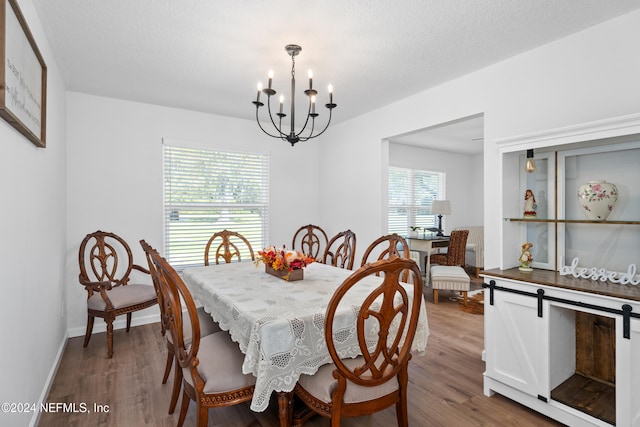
283	263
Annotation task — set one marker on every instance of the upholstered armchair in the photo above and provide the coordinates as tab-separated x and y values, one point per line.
474	255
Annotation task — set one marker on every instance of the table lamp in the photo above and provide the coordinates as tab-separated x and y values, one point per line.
440	207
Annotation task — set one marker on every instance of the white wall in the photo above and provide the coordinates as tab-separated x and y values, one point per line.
588	76
32	246
115	179
463	180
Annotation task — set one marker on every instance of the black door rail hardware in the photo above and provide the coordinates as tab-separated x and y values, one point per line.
625	310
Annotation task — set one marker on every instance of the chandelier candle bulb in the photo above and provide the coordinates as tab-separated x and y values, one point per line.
270	77
259	90
310	79
281	103
330	89
313	104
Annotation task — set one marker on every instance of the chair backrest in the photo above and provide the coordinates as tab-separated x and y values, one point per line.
311	240
176	295
104	257
457	247
385	324
386	247
227	247
162	298
341	250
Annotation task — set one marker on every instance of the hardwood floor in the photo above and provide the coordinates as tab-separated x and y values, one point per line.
445	383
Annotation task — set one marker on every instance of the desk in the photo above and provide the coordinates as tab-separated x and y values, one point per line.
427	244
279	325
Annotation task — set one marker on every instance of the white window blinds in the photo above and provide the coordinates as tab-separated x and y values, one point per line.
206	191
410	195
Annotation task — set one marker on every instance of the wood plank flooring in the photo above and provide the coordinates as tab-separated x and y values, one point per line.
445	383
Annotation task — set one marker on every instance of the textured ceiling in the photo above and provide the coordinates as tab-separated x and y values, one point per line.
208	55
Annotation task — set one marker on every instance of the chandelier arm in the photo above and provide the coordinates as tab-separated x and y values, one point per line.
307	120
279	129
261	128
311	135
318	134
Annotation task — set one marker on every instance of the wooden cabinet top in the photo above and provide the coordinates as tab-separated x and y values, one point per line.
553	278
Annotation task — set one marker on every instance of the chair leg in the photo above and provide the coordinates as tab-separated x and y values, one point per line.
87	334
202	416
464	293
128	321
175	392
183	408
109	321
435	296
285	408
167	368
402	413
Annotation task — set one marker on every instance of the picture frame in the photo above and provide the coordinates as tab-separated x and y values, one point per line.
23	76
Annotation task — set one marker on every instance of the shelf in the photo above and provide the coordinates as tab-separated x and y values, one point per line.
572	221
588	395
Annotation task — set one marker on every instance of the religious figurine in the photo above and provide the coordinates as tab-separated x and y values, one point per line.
530	205
525	257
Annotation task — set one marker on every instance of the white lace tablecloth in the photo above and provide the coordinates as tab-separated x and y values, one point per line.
279	325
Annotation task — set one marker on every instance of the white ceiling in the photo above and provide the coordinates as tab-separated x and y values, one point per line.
208	55
464	136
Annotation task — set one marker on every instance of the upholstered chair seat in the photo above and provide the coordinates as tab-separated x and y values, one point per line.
322	384
222	371
122	297
207	327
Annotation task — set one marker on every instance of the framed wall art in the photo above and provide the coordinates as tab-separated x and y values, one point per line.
23	76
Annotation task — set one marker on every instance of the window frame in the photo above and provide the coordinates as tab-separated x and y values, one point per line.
413	209
202	176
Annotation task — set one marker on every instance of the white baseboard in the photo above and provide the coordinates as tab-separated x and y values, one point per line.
35	419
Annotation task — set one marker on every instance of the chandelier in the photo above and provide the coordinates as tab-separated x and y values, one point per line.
309	124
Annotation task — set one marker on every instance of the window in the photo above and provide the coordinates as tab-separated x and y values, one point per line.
206	191
410	195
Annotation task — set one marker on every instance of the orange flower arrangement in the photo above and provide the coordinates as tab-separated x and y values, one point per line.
282	259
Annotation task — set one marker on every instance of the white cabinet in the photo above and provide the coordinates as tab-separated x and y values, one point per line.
538	352
550	338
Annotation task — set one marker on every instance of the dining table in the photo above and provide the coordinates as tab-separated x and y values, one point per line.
279	324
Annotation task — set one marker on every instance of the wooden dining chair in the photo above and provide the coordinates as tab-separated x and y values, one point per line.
341	250
386	247
228	247
207	327
106	264
378	378
456	251
311	240
212	364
